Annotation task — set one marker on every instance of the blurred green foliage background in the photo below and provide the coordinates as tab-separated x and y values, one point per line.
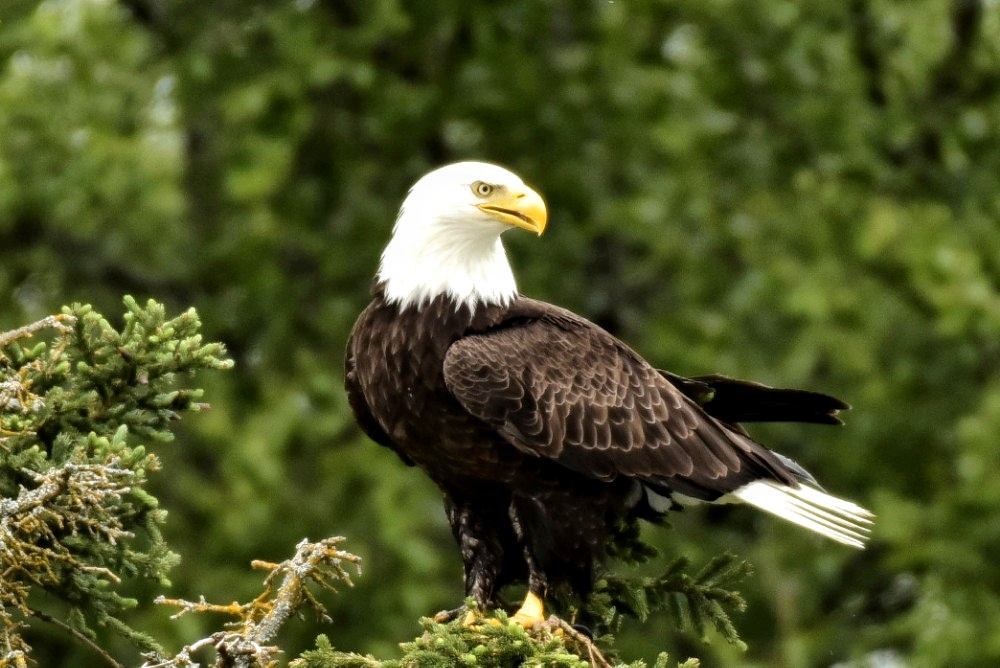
805	194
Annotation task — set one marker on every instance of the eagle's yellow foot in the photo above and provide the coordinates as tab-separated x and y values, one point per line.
532	612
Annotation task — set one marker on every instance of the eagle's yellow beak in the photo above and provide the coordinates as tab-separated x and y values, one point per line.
522	208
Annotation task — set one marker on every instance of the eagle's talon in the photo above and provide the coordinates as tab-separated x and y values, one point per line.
445	616
525	621
469	616
475	617
531	612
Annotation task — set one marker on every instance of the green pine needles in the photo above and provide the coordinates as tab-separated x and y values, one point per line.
483	645
697	602
79	401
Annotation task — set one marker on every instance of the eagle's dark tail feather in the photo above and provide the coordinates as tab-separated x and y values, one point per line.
734	401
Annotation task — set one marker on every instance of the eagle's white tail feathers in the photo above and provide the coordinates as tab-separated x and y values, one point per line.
840	520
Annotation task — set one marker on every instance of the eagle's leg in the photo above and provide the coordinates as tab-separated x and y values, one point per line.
482	551
525	513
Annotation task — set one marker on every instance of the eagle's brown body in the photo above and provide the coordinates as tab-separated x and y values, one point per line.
395	369
542	429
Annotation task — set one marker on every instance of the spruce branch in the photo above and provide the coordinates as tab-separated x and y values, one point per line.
76	394
286	592
61	322
68	500
496	643
697	602
80	637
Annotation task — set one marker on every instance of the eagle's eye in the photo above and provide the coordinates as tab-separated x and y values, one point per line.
482	189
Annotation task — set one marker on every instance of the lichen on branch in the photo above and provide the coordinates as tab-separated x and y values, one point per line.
286	592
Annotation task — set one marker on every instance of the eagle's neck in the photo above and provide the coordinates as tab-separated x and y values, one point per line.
446	257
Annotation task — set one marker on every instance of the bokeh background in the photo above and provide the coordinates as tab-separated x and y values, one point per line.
805	194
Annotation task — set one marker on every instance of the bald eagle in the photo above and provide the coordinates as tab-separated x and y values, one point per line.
541	429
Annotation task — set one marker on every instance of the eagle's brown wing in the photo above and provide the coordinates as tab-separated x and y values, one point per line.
557	386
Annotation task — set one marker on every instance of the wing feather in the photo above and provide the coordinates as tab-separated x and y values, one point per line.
557	386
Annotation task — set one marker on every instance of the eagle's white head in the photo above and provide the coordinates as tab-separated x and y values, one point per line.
446	240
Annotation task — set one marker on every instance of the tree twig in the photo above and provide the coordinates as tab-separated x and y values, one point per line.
94	647
62	322
597	659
